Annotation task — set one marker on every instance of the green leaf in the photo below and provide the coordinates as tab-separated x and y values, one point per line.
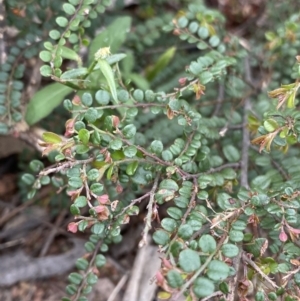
203	287
74	210
87	99
91	279
52	138
160	64
102	97
129	131
109	76
75	278
75	182
96	188
161	237
69	8
113	36
228	173
61	21
203	32
156	147
130	151
214	41
167	155
182	22
91	115
28	179
36	165
131	168
189	260
138	95
174	279
207	243
81	264
236	236
230	250
98	228
45	56
231	153
218	270
270	125
169	224
75	73
82	149
100	260
84	136
81	201
44	101
116	144
93	174
169	184
205	77
175	212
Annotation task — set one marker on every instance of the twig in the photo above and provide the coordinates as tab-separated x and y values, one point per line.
132	203
28	203
117	289
3	19
53	233
12	243
150	212
215	294
219	99
233	281
66	165
246	133
258	270
88	270
124	105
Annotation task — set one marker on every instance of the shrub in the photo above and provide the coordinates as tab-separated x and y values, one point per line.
179	135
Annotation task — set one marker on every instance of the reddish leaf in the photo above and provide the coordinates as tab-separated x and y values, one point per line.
73	227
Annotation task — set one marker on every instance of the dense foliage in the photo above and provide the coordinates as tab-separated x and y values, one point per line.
163	104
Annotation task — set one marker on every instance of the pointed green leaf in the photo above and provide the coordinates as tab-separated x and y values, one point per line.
44	101
109	76
50	137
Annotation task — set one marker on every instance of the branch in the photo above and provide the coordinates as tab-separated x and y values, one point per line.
150	212
66	165
246	133
220	99
258	270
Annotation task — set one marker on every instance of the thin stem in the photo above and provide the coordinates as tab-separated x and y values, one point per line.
149	216
246	133
259	271
65	165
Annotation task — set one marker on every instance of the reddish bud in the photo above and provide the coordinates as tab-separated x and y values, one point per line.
282	236
69	127
102	211
119	188
76	100
103	199
166	263
182	81
115	121
159	278
176	32
72	227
